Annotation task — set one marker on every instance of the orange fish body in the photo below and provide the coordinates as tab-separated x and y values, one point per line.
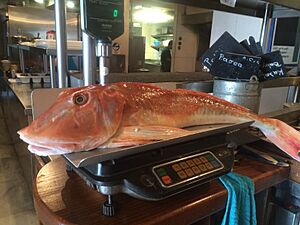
124	114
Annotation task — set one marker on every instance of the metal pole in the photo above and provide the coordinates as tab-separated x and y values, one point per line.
264	28
61	41
52	71
45	62
298	70
22	62
104	52
88	51
89	59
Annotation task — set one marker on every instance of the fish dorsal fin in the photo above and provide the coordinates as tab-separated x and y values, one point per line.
135	85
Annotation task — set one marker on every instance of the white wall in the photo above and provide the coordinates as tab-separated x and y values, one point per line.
239	26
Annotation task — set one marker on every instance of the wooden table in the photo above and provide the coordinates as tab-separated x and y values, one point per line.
64	198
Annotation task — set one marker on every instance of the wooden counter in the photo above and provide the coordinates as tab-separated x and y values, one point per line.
64	198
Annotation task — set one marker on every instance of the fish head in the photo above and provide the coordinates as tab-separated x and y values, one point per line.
80	119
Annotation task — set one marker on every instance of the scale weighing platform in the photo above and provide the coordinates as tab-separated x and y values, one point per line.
158	170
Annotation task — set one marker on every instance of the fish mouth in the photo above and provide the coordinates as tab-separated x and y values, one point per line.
43	151
43	141
46	146
56	146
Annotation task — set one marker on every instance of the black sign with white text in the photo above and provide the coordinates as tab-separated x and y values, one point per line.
235	66
226	43
272	65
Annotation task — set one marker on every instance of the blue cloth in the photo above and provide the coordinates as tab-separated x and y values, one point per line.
240	207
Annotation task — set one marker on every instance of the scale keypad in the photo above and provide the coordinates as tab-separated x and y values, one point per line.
186	169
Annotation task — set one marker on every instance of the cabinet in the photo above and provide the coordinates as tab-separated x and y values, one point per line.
136	53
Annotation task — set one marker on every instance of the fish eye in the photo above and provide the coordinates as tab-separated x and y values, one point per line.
80	99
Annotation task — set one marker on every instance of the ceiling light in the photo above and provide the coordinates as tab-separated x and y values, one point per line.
72	21
138	7
137	25
70	4
152	15
39	1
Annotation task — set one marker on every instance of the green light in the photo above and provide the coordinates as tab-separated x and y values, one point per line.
116	13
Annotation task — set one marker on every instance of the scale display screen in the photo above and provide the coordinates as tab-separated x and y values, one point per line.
103	19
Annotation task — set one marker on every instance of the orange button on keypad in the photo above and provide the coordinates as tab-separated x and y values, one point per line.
166	180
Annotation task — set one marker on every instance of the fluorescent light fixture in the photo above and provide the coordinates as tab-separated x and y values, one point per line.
137	25
152	15
39	1
72	21
70	4
138	7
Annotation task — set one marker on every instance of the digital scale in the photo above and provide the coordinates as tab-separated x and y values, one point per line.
160	169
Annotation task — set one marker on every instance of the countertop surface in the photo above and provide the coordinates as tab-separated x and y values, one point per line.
64	198
150	77
46	50
23	92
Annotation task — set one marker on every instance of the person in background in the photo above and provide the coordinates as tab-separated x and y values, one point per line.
165	58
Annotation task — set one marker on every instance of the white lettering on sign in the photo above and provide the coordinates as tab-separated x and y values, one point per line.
106	25
272	64
230	61
230	3
206	60
250	59
275	73
286	52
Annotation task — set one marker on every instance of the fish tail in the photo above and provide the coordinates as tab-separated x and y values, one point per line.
282	135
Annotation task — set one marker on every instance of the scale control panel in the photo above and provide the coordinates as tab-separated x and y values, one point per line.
187	169
160	180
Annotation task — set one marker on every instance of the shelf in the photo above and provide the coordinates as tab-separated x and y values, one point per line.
157	47
160	36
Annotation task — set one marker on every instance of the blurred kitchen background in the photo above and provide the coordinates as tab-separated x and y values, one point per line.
26	25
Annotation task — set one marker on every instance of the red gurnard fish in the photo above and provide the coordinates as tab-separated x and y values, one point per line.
126	114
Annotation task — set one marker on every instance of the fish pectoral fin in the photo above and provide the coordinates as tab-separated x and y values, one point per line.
137	135
151	133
